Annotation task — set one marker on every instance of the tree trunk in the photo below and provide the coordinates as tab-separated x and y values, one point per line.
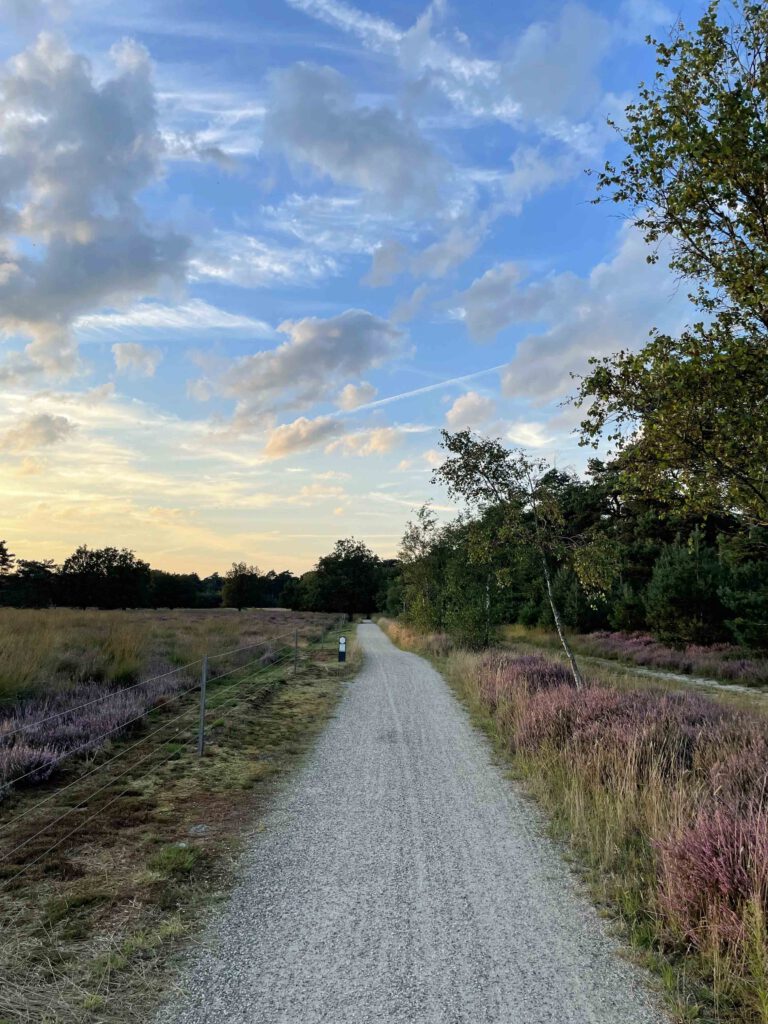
487	608
577	676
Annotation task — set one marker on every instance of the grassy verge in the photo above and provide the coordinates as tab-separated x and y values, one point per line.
91	927
661	796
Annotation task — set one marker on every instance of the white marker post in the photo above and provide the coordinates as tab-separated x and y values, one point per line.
342	648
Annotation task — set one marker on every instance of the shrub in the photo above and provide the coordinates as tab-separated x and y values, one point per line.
713	875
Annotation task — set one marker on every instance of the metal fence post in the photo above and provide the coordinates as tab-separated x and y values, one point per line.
296	652
201	727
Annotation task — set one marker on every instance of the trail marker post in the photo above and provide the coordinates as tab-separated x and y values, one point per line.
295	652
201	727
342	648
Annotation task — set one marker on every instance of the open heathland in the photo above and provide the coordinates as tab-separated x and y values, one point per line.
75	680
726	663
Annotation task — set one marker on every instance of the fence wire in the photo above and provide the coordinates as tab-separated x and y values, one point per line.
215	693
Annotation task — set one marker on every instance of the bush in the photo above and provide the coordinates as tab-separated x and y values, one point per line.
714	878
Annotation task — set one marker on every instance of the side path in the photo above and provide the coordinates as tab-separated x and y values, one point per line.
401	879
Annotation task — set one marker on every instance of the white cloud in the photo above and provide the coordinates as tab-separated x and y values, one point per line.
391	259
374	441
135	359
529	435
301	434
488	304
470	411
37	431
311	365
407	309
251	262
613	308
374	32
315	119
191	316
552	69
342	225
388	260
354	395
32	13
74	154
449	252
547	75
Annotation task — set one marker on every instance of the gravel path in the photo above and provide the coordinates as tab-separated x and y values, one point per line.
400	878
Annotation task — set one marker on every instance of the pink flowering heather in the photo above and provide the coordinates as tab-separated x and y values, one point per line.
718	661
713	875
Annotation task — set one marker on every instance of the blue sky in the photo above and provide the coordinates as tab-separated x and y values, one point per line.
253	257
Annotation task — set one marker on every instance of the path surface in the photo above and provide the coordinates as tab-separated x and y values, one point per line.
401	879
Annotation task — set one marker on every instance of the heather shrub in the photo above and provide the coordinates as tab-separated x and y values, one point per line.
718	661
713	875
42	729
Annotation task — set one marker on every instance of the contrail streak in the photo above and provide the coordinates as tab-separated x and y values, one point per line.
422	391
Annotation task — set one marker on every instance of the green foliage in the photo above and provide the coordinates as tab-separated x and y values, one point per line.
351	579
6	559
348	579
242	587
105	578
35	583
178	859
682	601
744	592
688	414
173	589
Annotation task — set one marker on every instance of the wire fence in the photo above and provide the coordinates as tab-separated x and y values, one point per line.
193	715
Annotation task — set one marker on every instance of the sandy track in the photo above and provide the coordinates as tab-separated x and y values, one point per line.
400	878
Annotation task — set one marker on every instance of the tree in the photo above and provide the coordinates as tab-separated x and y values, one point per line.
273	587
104	578
690	413
6	559
486	475
6	564
348	579
242	587
682	601
173	589
421	557
35	583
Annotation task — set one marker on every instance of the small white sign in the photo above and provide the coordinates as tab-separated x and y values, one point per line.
342	641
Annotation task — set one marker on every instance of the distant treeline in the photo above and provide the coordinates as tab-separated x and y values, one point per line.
350	579
116	578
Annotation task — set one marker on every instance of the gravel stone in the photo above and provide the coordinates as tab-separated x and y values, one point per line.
399	877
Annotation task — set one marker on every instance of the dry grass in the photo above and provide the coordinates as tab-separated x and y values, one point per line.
57	648
91	929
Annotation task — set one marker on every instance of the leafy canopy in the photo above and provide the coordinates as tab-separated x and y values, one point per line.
690	413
